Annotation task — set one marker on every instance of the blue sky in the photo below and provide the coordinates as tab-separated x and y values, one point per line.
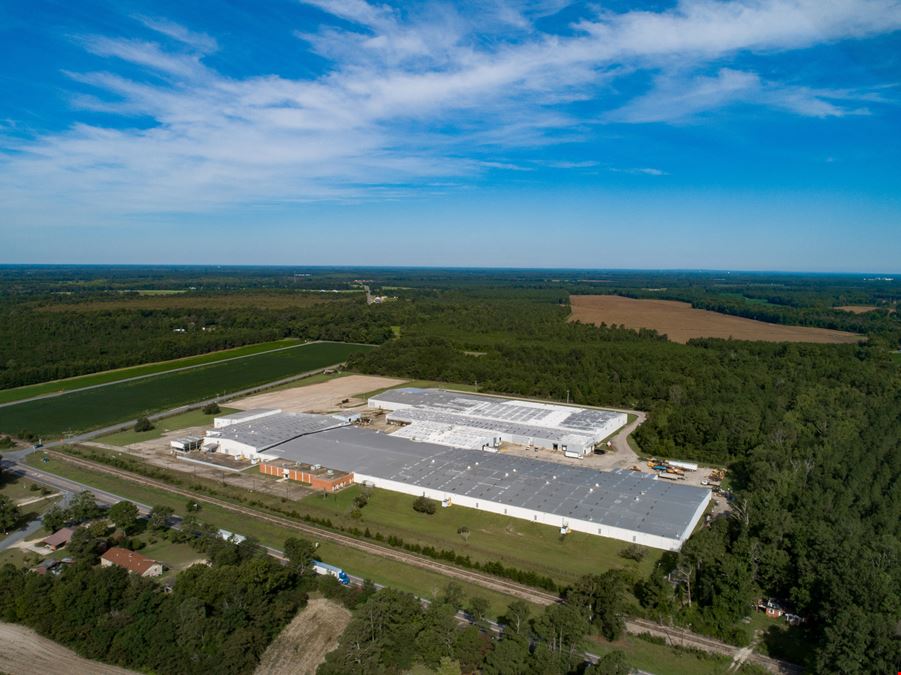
716	134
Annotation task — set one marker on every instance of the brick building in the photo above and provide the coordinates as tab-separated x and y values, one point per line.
318	477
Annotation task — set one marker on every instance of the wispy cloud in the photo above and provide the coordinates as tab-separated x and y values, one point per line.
680	99
201	42
427	97
645	171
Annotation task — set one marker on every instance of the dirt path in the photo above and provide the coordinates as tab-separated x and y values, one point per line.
24	652
303	644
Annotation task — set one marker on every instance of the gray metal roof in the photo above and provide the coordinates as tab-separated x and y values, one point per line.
272	430
624	499
511	411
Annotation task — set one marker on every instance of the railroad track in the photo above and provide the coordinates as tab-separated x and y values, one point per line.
486	581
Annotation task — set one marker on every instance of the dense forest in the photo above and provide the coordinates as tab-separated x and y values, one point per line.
36	345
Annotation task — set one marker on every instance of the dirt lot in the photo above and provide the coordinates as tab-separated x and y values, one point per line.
681	322
24	652
322	397
303	644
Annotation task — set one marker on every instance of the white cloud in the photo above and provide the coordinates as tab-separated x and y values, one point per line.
646	171
410	98
677	99
200	41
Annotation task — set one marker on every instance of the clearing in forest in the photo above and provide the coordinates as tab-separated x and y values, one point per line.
318	397
302	645
24	652
860	309
681	322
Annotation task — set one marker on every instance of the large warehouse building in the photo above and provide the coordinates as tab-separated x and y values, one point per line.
484	422
439	453
623	505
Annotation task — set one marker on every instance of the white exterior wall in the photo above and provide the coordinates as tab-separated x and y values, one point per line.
632	536
234	448
612	425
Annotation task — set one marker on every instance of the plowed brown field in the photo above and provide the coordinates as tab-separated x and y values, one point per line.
680	322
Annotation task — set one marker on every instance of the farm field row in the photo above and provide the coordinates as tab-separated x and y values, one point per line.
93	408
487	537
681	322
107	376
421	582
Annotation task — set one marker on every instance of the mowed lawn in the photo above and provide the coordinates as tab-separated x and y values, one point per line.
192	418
107	376
420	582
93	408
514	542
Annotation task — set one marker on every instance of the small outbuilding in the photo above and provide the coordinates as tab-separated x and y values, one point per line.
59	538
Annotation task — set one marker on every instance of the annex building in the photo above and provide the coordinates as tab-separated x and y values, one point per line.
484	422
254	434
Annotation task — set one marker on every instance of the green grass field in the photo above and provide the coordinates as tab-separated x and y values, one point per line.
192	418
107	376
17	488
93	408
397	575
514	542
